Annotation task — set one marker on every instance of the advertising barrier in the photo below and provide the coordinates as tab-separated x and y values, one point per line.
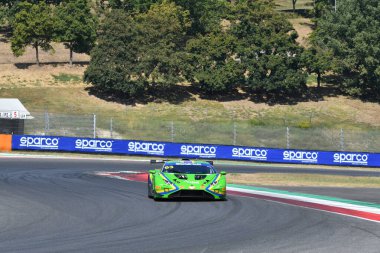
191	150
5	142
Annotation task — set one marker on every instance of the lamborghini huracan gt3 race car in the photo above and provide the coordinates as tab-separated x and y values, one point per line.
186	179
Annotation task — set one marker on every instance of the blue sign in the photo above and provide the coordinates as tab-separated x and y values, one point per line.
191	150
27	142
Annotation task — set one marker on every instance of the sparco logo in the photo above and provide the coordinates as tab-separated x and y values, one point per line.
301	156
40	142
252	153
202	151
352	158
99	145
146	147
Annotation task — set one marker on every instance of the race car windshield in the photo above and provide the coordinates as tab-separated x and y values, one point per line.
188	169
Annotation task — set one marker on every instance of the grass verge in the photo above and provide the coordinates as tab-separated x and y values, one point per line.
63	77
283	179
313	125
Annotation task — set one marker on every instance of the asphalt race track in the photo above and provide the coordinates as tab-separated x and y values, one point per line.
59	205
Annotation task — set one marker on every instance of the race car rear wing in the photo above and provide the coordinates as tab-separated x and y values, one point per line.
184	159
158	161
187	159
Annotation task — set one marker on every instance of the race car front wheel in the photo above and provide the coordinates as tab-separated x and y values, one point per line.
150	193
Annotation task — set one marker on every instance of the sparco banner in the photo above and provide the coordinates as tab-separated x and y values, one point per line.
191	150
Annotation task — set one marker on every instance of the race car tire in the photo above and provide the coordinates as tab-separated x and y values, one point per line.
150	193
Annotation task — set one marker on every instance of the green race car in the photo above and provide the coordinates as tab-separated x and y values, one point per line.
186	179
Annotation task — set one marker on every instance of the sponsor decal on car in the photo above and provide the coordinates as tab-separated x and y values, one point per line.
351	158
300	156
199	150
39	142
94	145
192	182
251	153
146	147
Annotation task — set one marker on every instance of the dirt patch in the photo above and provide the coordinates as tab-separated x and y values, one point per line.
287	4
303	26
59	55
12	76
342	108
23	72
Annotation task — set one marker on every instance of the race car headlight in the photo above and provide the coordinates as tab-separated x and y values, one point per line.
168	182
214	183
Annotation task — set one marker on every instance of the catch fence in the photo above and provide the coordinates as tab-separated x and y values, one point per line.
226	132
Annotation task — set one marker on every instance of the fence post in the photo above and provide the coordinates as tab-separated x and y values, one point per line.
172	131
287	138
94	126
47	123
341	140
235	134
111	128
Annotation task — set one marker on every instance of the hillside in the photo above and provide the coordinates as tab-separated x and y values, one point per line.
57	88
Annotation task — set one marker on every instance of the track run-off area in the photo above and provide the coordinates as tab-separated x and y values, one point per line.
66	205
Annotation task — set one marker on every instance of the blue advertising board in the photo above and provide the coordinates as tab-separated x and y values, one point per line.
191	150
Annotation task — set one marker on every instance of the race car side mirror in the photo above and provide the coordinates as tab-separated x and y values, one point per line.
223	173
152	171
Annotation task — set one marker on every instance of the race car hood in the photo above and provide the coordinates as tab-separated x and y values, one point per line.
192	181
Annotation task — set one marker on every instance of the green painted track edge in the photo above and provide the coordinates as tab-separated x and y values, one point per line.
347	201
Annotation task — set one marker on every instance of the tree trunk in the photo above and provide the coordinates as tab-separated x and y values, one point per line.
294	5
318	79
71	55
37	56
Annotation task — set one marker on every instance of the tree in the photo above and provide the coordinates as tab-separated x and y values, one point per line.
353	34
76	26
317	60
212	65
113	59
320	6
268	50
9	8
33	25
132	6
6	2
294	5
205	15
162	42
3	14
135	52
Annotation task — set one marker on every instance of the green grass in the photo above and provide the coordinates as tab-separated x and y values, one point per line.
63	77
76	101
202	121
311	79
